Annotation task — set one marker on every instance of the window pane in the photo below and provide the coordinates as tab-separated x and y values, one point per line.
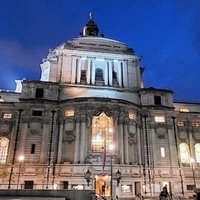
197	152
102	132
184	153
4	142
160	119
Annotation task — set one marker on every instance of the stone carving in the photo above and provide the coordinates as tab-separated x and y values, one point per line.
69	137
69	126
35	128
182	135
132	139
161	132
196	136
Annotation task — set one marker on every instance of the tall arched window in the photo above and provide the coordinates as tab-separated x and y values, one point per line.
102	133
4	142
197	152
184	153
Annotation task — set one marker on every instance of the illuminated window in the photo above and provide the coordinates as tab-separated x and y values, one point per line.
126	188
159	119
69	113
162	152
77	187
184	153
197	152
102	133
7	115
4	142
184	110
180	123
131	115
197	124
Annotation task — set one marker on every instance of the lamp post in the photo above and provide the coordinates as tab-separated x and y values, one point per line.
21	159
87	177
111	147
193	174
118	177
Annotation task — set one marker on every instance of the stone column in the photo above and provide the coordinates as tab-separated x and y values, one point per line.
79	71
45	142
59	69
22	140
125	74
77	143
110	69
60	142
83	141
138	146
73	66
121	141
126	145
93	72
119	74
88	71
106	73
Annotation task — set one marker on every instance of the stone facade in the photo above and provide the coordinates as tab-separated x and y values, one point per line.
91	89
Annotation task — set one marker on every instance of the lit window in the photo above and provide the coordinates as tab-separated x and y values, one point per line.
69	113
184	110
4	142
126	188
197	152
7	115
184	153
159	119
102	133
162	151
180	123
131	115
197	124
77	187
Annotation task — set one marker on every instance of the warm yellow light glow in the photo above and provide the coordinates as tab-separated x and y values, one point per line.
159	119
7	115
131	115
55	186
184	110
111	147
192	160
21	158
69	113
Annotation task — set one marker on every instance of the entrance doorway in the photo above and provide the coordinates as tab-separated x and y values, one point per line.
103	186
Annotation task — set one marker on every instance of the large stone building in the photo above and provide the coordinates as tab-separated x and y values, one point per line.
89	123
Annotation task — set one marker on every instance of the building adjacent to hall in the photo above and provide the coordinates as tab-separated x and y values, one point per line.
90	96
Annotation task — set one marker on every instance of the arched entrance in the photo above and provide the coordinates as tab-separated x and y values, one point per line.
103	186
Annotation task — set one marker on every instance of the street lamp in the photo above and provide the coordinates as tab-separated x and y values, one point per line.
87	177
118	177
21	159
192	164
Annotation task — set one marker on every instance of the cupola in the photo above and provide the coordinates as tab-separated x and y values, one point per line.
91	28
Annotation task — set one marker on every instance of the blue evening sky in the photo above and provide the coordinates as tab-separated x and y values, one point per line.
165	33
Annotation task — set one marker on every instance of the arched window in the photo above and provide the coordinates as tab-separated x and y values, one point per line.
102	133
4	142
197	152
184	153
99	74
